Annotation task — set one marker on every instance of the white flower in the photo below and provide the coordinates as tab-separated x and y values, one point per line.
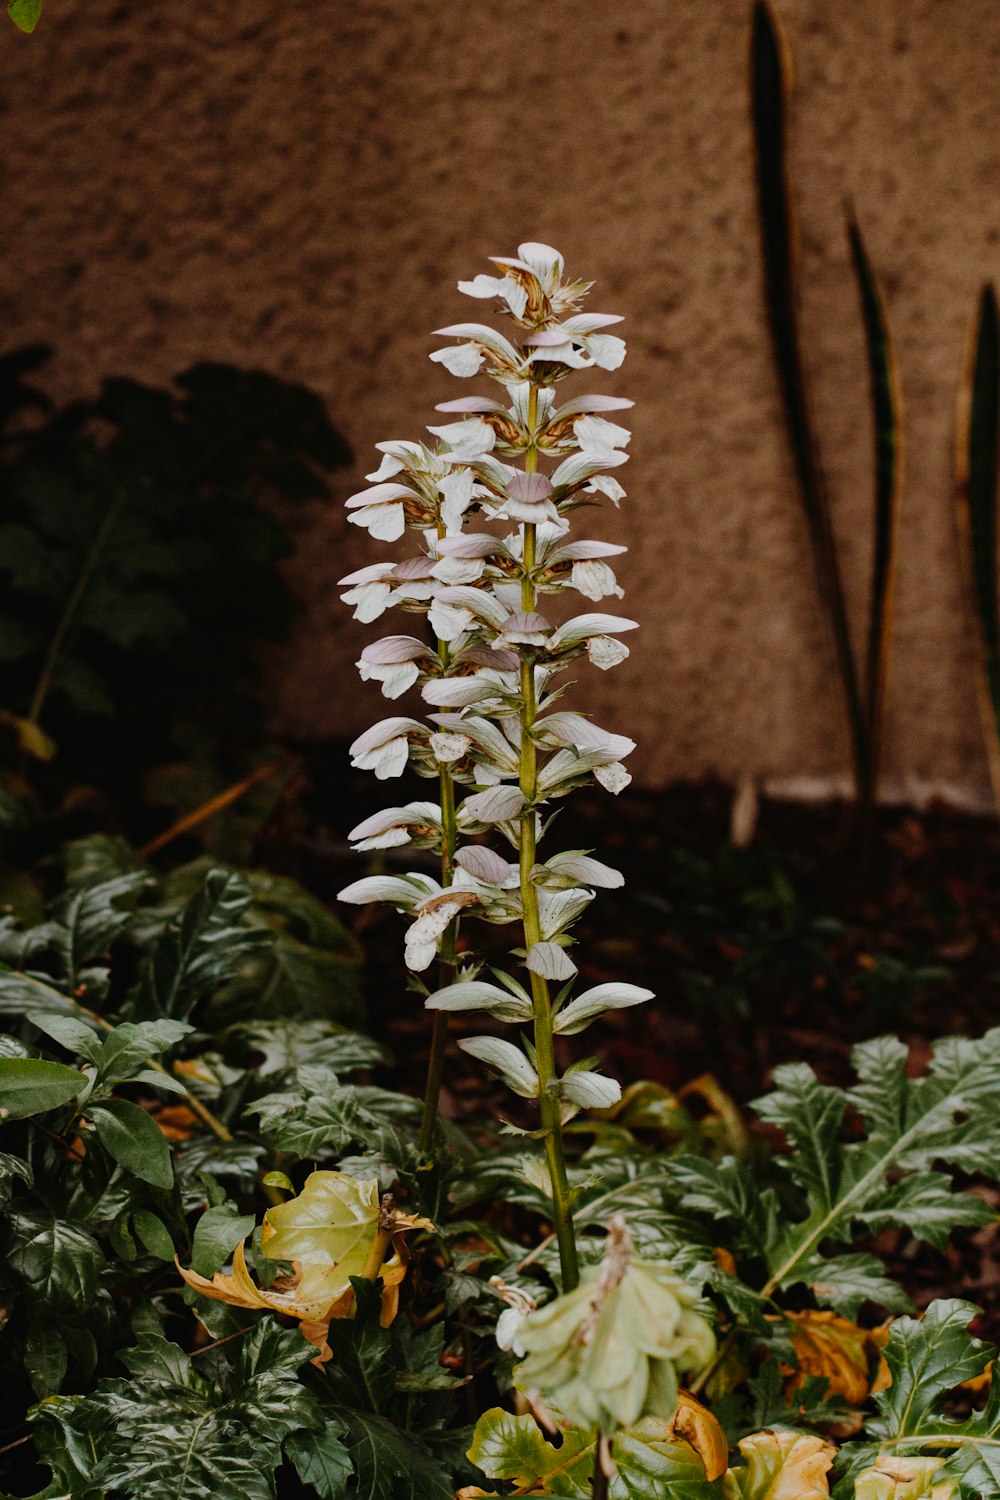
550	961
598	437
462	359
505	287
466	440
422	937
605	652
613	778
595	580
449	747
385	747
398	825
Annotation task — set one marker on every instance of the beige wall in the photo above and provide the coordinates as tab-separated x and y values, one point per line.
299	186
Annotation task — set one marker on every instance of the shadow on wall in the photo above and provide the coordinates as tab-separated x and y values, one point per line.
138	556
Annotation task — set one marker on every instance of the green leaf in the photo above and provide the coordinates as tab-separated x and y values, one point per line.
69	1031
315	1114
132	1137
153	1233
927	1359
57	1262
25	13
322	1459
389	1463
130	1045
168	1434
204	946
650	1464
216	1235
30	1086
45	1358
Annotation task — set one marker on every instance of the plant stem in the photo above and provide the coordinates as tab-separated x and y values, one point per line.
446	962
548	1103
72	605
449	943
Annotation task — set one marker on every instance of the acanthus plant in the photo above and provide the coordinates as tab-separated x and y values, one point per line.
491	503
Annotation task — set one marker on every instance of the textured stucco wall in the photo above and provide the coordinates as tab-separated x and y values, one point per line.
299	187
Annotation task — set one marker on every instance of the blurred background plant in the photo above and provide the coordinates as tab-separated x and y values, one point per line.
139	554
977	443
864	691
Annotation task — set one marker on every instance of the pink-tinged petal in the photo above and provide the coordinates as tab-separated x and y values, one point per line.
484	864
584	552
393	817
587	871
532	488
413	568
374	573
493	661
382	732
582	626
583	405
395	648
380	494
568	728
456	692
550	961
472	544
471	405
546	338
381	888
587	322
496	805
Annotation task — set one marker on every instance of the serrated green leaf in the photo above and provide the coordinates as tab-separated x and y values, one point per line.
389	1463
927	1359
30	1086
57	1262
132	1137
321	1459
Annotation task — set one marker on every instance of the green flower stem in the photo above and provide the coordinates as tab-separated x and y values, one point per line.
545	1064
446	962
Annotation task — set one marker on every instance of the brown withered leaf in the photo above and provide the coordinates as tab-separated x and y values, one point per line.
831	1346
176	1122
698	1427
781	1466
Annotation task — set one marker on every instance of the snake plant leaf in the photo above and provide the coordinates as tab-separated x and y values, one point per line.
977	443
927	1359
771	83
887	412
